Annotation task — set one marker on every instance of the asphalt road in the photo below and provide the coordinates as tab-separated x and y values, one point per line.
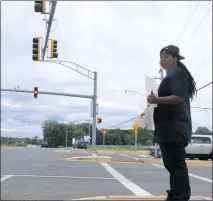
39	174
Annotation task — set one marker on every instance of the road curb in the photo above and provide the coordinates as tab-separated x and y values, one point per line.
141	198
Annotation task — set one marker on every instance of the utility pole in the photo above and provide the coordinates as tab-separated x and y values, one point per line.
66	138
89	128
161	78
94	111
161	74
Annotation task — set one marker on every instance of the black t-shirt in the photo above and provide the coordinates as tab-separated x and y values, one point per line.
173	120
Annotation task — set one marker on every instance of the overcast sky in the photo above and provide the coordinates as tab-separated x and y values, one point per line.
119	40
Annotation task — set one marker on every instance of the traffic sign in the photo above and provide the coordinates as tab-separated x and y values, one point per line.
136	128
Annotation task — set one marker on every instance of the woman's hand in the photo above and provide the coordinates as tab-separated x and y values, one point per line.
151	98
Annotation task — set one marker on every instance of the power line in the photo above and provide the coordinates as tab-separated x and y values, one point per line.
202	40
136	117
198	26
204	108
122	123
204	86
188	21
198	45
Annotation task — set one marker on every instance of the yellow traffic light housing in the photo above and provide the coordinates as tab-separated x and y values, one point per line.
99	120
53	49
36	49
35	92
40	6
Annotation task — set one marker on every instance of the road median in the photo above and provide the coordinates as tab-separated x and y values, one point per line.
140	160
89	158
118	151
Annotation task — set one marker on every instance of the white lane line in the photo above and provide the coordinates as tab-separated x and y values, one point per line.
123	180
145	156
79	166
199	177
190	174
70	166
63	150
6	177
129	156
64	177
158	165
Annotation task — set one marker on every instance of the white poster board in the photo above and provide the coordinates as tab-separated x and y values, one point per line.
146	118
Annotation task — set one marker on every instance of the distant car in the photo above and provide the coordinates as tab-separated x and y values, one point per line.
44	144
81	144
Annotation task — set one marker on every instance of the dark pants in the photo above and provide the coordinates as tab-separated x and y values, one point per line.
173	154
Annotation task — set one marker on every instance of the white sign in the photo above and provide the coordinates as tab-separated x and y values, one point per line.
73	140
87	138
146	118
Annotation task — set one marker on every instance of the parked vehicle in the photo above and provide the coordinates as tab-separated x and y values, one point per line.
152	152
81	144
200	147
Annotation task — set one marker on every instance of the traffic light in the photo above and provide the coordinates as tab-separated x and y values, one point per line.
104	132
36	49
35	92
53	49
99	120
40	6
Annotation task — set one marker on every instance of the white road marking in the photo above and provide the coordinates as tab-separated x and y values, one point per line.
80	166
190	174
63	150
145	156
70	166
199	177
123	180
64	177
129	156
158	165
6	177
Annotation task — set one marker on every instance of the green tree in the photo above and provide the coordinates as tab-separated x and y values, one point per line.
203	130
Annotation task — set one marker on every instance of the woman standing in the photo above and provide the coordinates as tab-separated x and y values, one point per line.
172	118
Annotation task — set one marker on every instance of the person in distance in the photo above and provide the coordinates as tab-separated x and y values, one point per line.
172	118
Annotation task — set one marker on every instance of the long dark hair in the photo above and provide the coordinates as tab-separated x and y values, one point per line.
192	83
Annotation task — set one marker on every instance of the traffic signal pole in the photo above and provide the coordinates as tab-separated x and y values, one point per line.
49	23
49	93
